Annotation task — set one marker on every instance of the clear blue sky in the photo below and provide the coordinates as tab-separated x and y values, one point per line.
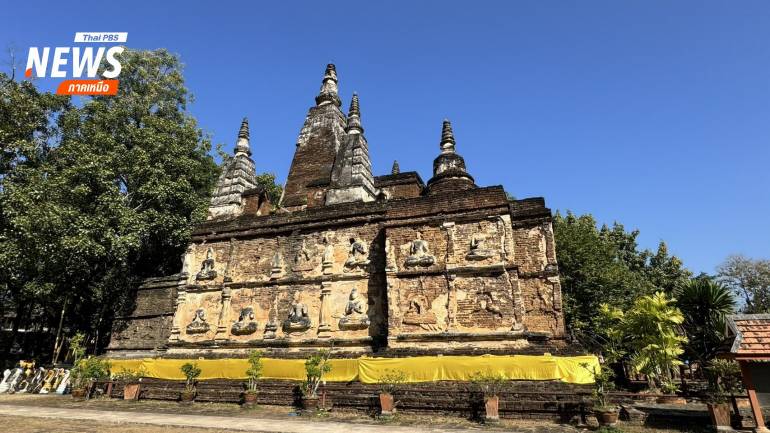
652	113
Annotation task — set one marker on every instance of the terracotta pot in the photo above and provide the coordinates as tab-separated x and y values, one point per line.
670	399
187	396
492	405
720	415
387	405
310	403
249	398
131	391
79	392
606	416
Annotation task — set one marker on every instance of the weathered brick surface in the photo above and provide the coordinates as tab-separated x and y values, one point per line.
520	399
447	268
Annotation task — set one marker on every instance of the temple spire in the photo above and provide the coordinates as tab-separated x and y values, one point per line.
447	138
449	172
354	117
352	179
328	93
396	169
242	144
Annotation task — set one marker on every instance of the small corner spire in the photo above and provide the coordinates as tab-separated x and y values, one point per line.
244	132
396	169
354	116
242	144
354	109
328	93
447	138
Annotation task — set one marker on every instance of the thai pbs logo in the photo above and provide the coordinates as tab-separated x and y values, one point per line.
80	61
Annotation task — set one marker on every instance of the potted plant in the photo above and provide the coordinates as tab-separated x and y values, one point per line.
254	373
191	373
669	389
606	414
85	372
389	381
724	379
490	384
131	380
316	366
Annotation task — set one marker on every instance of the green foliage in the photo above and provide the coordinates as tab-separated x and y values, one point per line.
605	266
316	366
489	383
91	368
191	372
77	346
391	380
130	375
724	378
274	191
254	372
704	304
650	334
603	384
98	196
750	280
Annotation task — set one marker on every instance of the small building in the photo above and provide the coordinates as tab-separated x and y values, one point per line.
750	336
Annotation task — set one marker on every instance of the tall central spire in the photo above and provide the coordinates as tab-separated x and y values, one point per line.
318	143
328	93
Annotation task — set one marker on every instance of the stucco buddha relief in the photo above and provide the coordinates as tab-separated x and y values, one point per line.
207	271
358	255
355	313
303	259
478	248
327	260
298	319
276	266
198	325
246	324
419	253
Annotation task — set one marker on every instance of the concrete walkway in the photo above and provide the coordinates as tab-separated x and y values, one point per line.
214	422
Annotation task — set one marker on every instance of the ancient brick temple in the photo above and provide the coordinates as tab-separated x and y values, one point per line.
385	265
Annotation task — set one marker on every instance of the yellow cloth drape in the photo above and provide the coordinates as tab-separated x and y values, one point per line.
570	369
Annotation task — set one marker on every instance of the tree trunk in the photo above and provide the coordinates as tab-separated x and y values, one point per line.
57	344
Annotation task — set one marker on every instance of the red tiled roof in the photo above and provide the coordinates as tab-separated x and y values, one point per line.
751	334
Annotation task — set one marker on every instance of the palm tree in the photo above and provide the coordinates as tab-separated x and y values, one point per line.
704	303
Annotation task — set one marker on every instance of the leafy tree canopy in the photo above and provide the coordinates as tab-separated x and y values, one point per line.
605	266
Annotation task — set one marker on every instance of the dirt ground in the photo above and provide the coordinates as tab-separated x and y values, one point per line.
25	424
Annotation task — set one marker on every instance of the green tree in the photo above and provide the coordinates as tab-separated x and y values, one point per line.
704	304
749	279
595	268
115	197
648	336
606	266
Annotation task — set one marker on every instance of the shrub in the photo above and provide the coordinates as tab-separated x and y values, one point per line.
316	366
129	375
254	373
191	373
724	380
390	380
91	368
489	383
603	384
